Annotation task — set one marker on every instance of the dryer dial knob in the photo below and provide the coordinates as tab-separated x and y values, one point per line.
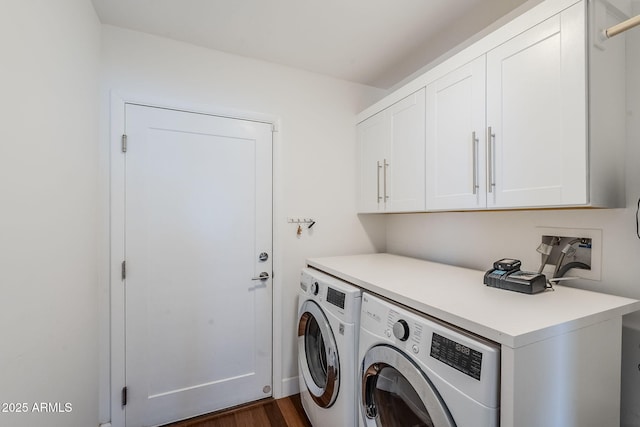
401	330
315	288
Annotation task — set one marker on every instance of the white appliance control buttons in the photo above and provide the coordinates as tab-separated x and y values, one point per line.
415	349
388	333
401	330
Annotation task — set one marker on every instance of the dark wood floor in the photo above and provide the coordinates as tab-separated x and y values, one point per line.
287	412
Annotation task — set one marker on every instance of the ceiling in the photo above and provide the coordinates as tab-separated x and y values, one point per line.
374	42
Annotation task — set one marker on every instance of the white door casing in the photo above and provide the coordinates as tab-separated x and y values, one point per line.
198	213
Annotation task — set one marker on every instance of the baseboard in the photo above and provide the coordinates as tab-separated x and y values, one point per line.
105	425
290	386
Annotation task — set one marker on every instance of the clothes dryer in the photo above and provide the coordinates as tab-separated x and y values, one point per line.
418	371
328	325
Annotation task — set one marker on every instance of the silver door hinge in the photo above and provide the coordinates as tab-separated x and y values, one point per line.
124	270
124	143
124	396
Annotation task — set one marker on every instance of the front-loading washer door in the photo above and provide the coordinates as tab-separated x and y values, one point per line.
318	353
395	392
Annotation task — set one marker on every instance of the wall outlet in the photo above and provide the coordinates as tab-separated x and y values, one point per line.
587	251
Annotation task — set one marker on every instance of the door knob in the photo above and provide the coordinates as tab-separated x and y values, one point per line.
263	276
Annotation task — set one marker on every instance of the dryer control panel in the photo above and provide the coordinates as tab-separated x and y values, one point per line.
335	297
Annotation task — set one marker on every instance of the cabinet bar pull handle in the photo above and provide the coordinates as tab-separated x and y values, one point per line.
474	145
386	165
378	180
491	139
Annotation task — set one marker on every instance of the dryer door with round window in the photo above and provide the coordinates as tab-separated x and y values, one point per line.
395	392
318	355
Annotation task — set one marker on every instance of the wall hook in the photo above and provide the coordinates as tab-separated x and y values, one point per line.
310	222
300	221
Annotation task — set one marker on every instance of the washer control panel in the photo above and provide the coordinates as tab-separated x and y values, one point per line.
465	361
458	356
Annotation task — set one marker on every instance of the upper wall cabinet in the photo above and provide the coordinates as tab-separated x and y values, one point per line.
456	159
537	116
391	151
530	116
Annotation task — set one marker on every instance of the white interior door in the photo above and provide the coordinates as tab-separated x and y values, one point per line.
198	213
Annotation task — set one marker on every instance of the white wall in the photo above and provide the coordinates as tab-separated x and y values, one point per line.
315	152
476	239
48	182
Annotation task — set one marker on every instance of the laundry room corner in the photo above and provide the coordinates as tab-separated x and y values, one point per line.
313	158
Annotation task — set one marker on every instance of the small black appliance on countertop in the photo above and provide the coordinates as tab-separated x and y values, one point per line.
506	274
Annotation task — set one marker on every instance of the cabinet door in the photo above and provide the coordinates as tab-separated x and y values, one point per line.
455	155
536	114
373	137
403	175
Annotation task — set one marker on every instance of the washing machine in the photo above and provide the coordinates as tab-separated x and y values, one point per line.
417	371
328	326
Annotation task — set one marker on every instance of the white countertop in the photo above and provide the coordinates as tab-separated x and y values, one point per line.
459	296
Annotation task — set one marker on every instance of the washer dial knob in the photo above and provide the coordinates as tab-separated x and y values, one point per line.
315	288
401	330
